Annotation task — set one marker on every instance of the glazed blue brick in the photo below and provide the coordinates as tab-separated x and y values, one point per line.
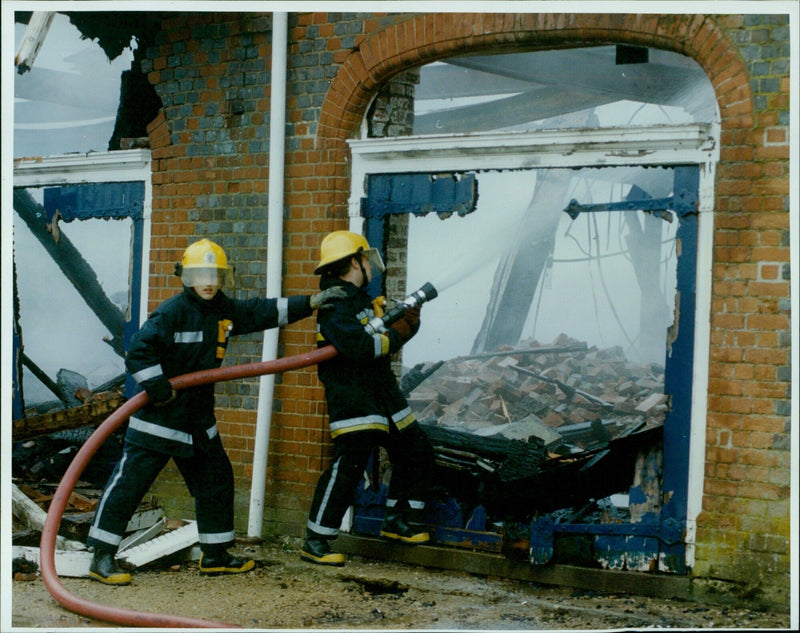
741	36
770	84
751	52
760	68
780	34
760	35
780	67
777	18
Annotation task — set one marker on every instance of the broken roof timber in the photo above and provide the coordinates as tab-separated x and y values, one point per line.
35	34
93	412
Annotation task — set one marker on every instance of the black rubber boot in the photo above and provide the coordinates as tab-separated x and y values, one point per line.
216	562
395	526
317	549
104	568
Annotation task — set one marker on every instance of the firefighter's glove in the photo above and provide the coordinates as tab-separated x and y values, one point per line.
408	325
161	393
323	299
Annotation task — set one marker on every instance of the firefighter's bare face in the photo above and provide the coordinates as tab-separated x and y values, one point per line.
205	282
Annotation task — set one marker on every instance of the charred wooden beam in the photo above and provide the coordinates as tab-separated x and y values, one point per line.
519	270
93	412
74	267
553	349
42	376
569	391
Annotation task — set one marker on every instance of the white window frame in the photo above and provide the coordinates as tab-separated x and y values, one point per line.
696	143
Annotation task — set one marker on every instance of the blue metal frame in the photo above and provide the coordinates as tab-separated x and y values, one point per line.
658	536
420	194
662	534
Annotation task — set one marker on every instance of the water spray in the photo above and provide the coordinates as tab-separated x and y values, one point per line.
426	293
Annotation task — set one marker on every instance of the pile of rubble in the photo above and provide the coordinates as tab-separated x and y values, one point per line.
570	396
150	536
537	429
45	442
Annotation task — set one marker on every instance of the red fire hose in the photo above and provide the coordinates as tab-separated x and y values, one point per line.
70	478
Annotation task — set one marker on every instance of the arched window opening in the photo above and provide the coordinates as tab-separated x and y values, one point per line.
601	86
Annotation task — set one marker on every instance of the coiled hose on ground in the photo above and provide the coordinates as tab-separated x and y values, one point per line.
87	451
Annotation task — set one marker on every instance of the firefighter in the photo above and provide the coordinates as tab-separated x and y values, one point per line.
365	405
189	332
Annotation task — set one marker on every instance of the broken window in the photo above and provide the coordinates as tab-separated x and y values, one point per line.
520	267
79	86
599	86
77	301
541	373
73	284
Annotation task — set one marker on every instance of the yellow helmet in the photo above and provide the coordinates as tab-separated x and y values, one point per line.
341	244
205	260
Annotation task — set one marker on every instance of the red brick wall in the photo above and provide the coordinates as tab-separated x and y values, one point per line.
337	63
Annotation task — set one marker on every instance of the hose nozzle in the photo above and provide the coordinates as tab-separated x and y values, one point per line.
426	293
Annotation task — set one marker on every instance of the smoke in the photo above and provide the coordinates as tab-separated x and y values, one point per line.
459	247
460	264
589	290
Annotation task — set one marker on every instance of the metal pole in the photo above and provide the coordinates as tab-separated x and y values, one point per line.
277	122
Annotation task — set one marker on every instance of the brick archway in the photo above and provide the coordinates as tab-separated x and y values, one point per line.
425	38
422	39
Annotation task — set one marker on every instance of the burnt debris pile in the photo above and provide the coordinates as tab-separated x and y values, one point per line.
538	428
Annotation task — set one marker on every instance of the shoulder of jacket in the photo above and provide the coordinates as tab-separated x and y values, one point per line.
172	303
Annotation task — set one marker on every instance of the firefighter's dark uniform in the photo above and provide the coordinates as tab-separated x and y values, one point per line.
184	334
366	409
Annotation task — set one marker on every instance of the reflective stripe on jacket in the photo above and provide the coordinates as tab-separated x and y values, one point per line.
187	334
360	388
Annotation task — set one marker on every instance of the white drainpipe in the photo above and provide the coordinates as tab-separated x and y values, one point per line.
277	122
